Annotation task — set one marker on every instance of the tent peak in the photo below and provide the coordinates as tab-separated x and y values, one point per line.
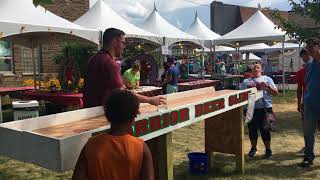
196	15
259	6
154	6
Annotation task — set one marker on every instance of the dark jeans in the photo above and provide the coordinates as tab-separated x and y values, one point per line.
257	124
311	120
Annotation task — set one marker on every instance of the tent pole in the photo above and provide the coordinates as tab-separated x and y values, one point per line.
39	66
202	56
213	59
210	59
299	55
100	40
187	59
33	64
283	71
238	62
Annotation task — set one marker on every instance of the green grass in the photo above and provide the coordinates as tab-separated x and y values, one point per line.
284	165
287	98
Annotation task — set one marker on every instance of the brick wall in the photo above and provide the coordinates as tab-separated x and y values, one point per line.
247	12
303	21
68	9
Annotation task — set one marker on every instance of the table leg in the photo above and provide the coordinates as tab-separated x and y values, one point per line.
161	150
224	133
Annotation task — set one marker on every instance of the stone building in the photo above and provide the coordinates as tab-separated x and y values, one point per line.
16	63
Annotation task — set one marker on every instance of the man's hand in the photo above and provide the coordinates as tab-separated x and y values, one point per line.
157	100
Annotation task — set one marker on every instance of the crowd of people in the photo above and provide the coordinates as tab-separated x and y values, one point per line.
308	97
118	155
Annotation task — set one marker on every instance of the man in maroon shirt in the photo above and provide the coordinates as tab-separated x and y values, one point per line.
103	72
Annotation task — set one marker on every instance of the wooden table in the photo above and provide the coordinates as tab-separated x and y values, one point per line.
55	141
186	86
149	91
76	99
62	98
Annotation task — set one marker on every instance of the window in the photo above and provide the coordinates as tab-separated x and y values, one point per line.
27	61
5	56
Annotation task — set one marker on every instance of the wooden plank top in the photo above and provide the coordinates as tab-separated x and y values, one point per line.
76	127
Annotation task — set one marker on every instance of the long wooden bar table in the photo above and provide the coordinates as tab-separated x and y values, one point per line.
55	141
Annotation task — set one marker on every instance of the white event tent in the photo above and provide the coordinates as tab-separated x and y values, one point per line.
251	57
23	23
257	28
219	49
278	46
259	47
21	18
201	31
156	24
101	17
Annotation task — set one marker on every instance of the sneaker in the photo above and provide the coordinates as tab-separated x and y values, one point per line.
306	163
252	152
268	154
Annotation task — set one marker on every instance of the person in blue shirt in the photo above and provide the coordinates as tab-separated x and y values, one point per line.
171	79
311	101
265	84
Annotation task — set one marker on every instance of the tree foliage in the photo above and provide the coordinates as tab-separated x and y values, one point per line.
42	2
306	8
75	53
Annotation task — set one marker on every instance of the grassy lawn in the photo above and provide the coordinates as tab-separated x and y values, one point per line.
284	165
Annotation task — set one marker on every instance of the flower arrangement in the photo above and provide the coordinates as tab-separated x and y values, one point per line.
30	82
53	84
45	85
80	86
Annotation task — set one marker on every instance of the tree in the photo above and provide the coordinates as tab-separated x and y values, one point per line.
42	2
306	8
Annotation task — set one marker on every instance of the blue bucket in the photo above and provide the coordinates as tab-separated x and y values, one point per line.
198	163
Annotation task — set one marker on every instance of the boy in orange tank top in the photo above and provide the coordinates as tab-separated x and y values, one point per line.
116	155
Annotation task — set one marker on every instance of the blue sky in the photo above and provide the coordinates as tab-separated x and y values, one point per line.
179	12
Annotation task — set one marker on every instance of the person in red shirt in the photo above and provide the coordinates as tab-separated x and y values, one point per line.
103	72
301	88
300	79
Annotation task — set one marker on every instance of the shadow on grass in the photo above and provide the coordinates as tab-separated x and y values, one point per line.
282	165
289	121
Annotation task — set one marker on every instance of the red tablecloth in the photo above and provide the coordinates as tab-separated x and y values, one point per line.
71	99
4	91
57	97
185	86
